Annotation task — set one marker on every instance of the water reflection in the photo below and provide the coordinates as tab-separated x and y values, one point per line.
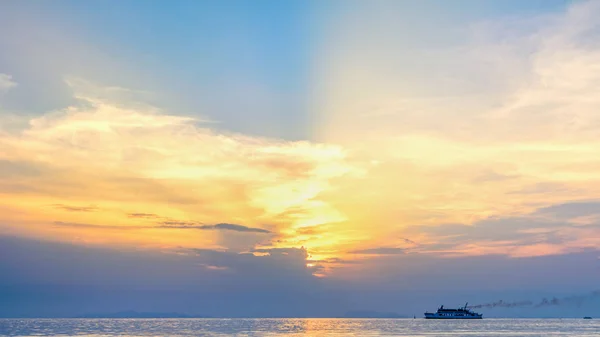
296	327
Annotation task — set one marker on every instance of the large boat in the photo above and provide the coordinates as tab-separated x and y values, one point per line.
460	313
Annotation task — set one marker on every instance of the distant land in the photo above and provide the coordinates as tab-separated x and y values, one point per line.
372	314
136	314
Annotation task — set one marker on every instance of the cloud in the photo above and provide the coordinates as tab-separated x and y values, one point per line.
15	169
123	156
233	227
179	224
219	226
556	229
498	123
380	251
73	277
406	246
92	226
333	260
298	252
143	216
76	208
6	83
206	281
571	210
499	120
174	225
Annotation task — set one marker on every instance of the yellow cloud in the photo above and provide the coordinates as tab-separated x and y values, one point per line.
501	128
131	159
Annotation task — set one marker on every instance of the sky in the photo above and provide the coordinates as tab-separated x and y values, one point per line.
299	158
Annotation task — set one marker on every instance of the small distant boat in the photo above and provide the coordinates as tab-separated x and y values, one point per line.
587	317
460	313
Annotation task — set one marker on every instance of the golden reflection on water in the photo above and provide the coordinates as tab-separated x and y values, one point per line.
296	327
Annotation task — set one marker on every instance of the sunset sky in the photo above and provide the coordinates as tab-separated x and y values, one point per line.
298	158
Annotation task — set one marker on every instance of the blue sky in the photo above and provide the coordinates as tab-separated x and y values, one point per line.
236	61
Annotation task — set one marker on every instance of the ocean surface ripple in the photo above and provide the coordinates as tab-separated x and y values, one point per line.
298	327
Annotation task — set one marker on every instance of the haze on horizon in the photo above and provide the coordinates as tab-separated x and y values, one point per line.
299	158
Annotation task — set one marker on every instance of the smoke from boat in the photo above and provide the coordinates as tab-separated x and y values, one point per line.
577	300
502	304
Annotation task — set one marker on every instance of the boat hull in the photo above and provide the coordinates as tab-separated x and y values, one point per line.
452	317
460	313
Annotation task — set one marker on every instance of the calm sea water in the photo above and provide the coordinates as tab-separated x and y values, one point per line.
298	327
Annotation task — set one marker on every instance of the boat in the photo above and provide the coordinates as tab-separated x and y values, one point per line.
460	313
587	317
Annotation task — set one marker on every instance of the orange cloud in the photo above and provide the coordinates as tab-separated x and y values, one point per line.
138	165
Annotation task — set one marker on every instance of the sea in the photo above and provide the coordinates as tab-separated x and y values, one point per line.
298	327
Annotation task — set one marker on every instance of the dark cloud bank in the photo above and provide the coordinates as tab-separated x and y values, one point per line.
168	224
45	279
219	226
42	279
